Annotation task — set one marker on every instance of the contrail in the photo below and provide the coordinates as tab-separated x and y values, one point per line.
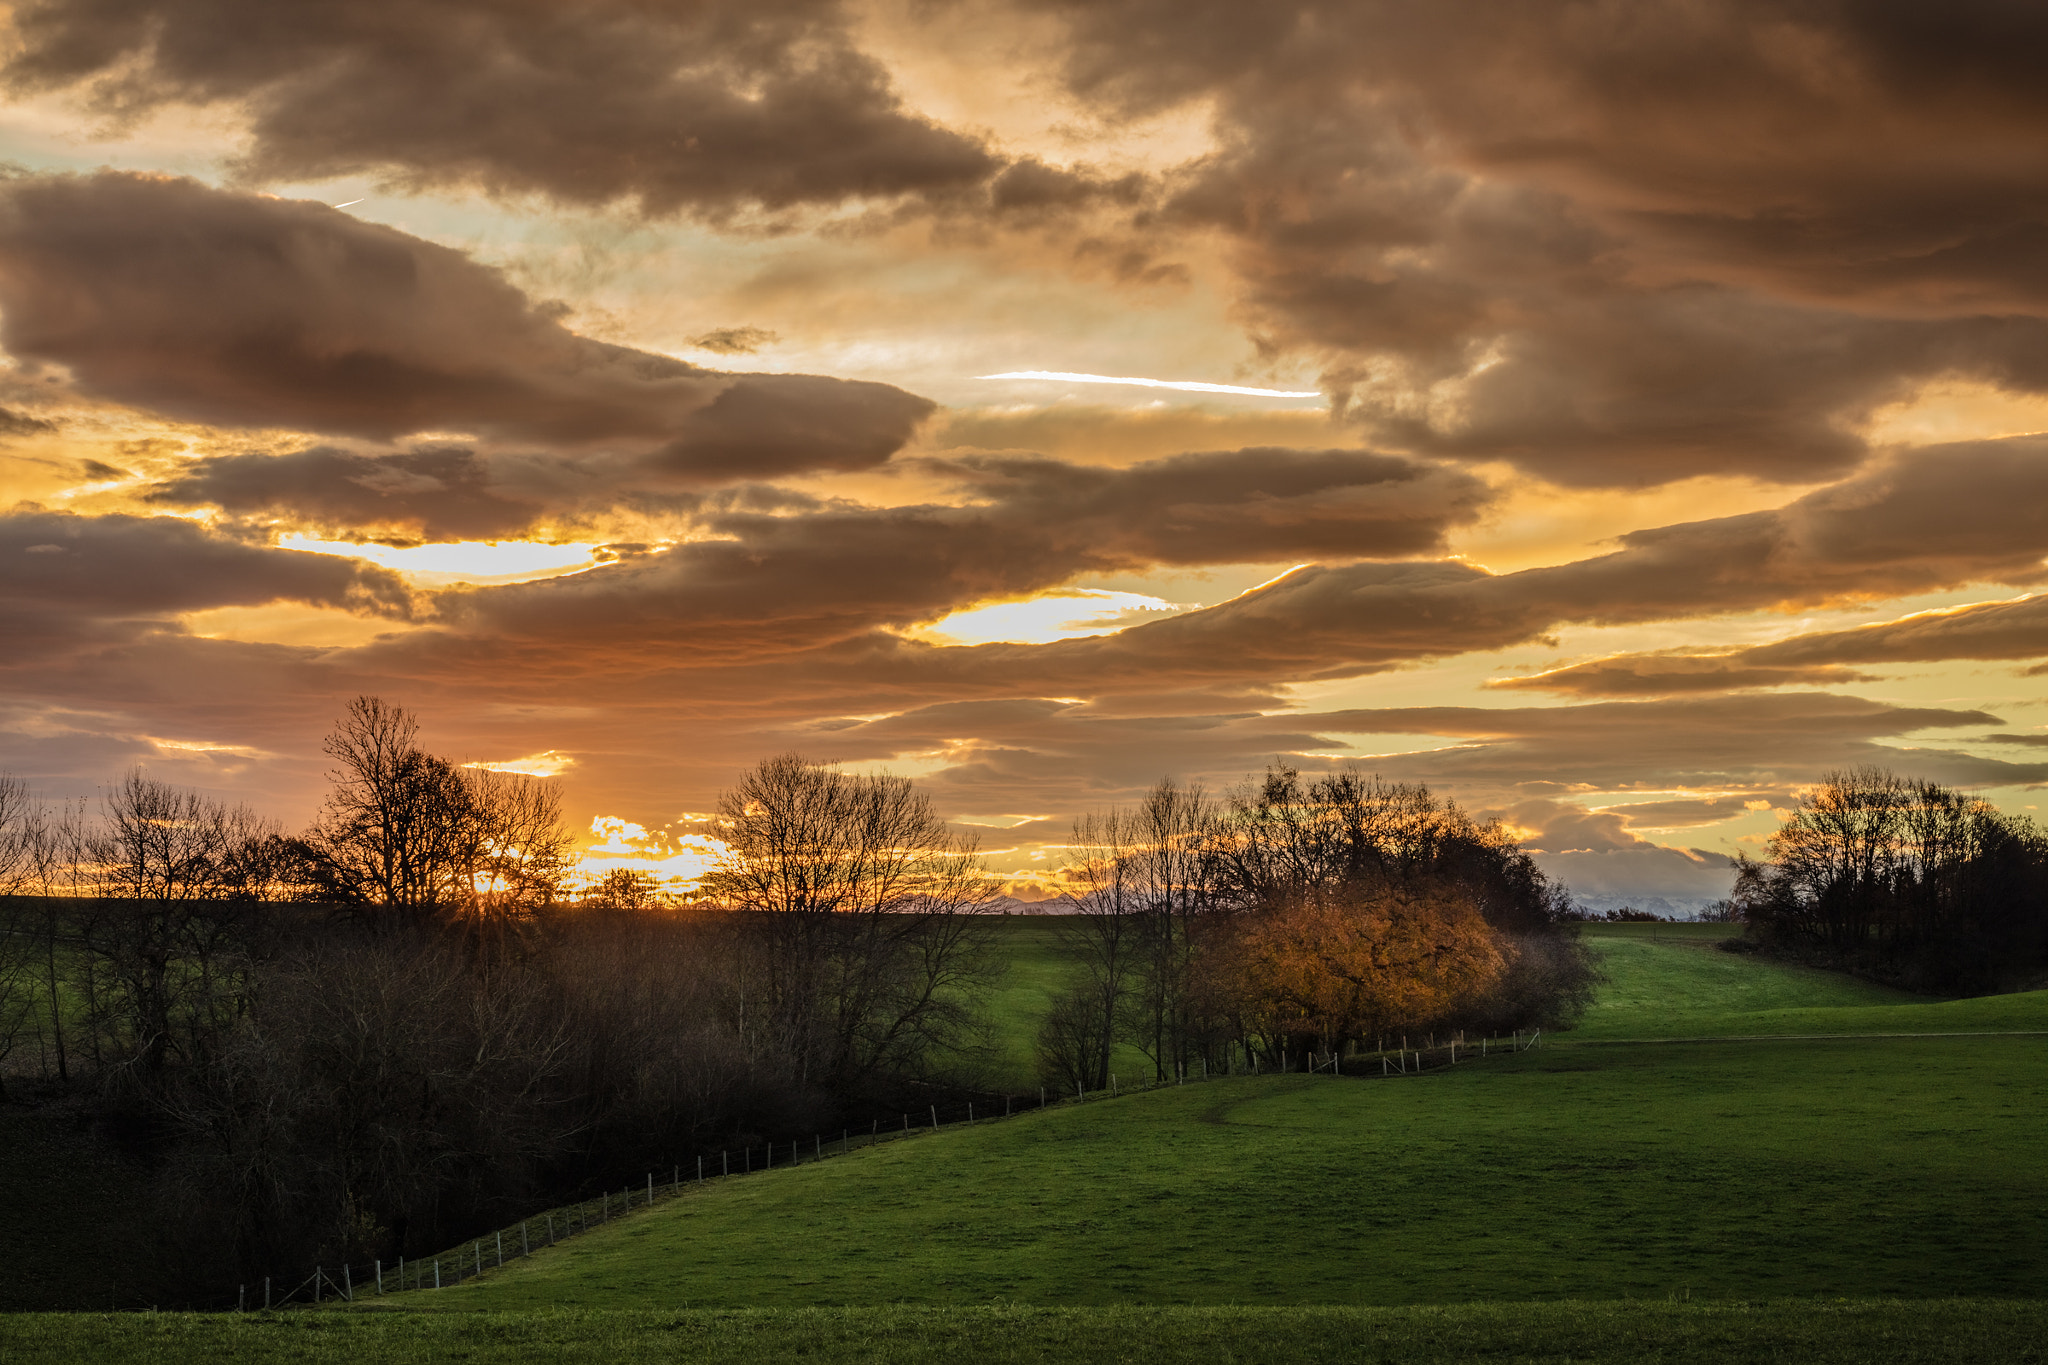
351	203
1193	385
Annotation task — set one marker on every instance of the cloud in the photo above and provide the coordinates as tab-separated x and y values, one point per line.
1673	672
2016	629
244	311
72	579
433	493
1928	519
735	340
1222	507
792	575
708	109
1775	740
1614	250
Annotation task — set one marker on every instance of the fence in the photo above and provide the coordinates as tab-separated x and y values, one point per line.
519	1240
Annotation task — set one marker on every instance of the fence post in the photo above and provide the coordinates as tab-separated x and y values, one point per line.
650	1189
316	1284
525	1247
348	1283
501	1248
379	1264
845	1142
437	1272
1041	1097
479	1255
676	1181
818	1146
725	1163
551	1228
935	1116
241	1298
266	1293
700	1170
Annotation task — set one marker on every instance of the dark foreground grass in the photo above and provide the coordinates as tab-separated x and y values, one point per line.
1944	1332
75	1224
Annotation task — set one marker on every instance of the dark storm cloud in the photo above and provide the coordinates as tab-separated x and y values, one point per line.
71	578
245	311
1615	245
702	108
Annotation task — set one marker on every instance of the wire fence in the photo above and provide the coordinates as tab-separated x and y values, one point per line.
518	1241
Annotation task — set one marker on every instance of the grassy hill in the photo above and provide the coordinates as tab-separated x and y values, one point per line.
1037	967
1910	1168
1669	1182
1671	981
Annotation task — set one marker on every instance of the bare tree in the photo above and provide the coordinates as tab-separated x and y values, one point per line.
397	832
861	903
22	830
518	850
177	877
1173	874
408	835
1103	934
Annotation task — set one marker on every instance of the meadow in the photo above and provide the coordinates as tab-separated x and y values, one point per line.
1731	1159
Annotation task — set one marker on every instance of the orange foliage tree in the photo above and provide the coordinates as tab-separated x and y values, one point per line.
1353	960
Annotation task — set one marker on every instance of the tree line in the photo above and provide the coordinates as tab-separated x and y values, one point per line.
1904	880
396	1027
1300	914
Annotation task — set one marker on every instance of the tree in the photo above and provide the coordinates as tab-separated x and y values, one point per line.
1103	934
860	905
1903	878
1354	959
1170	871
178	878
22	830
518	850
1288	842
624	888
408	835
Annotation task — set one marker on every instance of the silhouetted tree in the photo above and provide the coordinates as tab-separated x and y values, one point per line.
179	880
859	907
1905	879
408	835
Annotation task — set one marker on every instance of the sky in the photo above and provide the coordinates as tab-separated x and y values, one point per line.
1614	415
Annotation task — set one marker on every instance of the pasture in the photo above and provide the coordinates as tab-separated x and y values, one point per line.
1675	1180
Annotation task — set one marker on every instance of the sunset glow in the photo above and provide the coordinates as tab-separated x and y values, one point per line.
1615	454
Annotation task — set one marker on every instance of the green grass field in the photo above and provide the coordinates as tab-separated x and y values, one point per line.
1946	1332
1716	1193
1037	969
